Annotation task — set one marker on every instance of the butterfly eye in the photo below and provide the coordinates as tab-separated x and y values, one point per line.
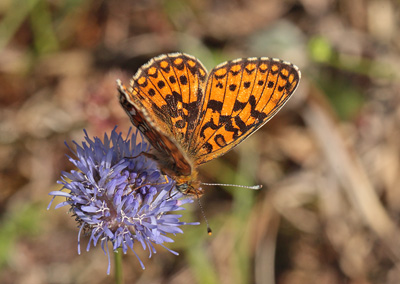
182	187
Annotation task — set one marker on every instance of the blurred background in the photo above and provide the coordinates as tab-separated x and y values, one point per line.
329	161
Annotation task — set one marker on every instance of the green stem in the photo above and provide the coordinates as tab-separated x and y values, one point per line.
118	266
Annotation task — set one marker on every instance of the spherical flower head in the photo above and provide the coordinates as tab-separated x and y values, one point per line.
119	195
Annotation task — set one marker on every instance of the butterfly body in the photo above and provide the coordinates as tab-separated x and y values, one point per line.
191	116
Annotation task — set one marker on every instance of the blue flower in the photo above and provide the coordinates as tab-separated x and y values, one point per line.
118	195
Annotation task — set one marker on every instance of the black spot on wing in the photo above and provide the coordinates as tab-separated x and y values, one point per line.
232	87
172	79
239	105
183	79
215	105
270	84
161	84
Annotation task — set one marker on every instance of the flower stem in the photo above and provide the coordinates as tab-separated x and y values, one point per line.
118	266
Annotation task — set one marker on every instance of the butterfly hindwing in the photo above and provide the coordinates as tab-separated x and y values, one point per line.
241	96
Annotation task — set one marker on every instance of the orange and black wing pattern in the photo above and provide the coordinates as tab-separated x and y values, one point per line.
171	154
240	97
163	102
191	117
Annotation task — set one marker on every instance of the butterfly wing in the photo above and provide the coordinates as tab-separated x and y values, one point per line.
241	96
164	102
170	152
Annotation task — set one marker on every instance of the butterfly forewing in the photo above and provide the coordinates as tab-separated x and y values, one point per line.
241	96
171	88
170	153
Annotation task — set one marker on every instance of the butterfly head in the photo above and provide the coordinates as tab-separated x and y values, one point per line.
189	186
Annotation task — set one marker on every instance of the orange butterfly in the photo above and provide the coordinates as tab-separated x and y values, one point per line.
191	117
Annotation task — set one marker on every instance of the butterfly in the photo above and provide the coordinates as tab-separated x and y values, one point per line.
191	116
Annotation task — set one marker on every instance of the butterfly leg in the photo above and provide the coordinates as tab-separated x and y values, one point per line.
153	184
146	154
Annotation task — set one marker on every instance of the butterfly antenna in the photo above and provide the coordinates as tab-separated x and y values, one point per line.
209	231
254	187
